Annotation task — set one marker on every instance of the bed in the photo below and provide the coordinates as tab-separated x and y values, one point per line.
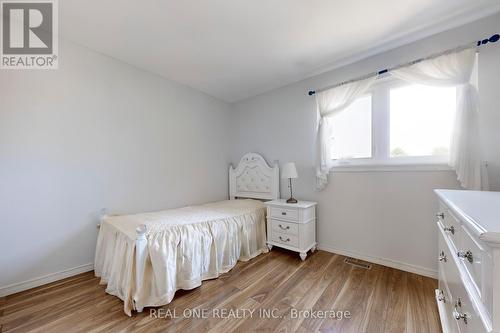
145	258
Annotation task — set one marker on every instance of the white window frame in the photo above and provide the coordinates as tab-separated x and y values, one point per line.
381	159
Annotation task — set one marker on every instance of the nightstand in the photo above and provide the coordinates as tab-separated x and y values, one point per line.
292	226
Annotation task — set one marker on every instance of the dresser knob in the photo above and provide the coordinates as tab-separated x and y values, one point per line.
457	314
283	213
466	255
284	240
282	227
450	229
441	297
442	257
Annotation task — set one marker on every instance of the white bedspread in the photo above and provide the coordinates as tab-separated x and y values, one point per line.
184	247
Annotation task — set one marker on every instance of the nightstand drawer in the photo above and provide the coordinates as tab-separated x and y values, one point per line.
289	214
285	227
285	239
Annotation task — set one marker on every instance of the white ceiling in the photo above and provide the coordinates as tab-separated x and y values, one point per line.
235	49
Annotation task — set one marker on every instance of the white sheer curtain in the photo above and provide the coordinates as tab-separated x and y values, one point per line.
451	70
454	70
330	102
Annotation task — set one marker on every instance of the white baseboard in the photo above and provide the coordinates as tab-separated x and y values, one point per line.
383	261
32	283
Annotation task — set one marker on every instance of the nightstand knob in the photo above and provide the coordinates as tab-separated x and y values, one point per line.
284	240
282	227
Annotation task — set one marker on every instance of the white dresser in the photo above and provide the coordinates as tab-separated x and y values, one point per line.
468	297
292	226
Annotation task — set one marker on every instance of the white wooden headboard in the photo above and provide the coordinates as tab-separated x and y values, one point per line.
254	178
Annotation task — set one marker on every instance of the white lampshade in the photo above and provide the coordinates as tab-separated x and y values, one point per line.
289	171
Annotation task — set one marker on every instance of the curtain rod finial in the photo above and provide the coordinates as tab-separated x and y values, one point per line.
492	39
311	92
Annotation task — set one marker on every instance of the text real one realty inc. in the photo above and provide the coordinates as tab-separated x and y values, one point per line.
224	313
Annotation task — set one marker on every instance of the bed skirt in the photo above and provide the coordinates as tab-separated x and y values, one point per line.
184	247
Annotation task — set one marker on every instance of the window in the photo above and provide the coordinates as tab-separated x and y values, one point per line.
396	124
421	119
352	131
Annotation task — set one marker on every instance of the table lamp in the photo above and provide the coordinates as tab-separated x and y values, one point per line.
289	171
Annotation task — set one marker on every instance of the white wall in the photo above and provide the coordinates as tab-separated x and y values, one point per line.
489	91
97	133
386	216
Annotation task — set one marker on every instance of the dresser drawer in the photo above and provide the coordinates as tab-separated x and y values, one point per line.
462	306
450	225
289	214
285	239
471	255
448	271
445	309
285	227
443	258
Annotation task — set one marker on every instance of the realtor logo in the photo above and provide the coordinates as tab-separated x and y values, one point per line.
29	34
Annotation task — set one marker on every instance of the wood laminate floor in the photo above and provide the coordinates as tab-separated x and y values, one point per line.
273	285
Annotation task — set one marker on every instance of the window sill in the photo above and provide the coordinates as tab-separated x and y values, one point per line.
390	168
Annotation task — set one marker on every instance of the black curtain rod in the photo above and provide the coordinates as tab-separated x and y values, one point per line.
492	39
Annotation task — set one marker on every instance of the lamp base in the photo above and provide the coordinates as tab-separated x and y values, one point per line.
291	200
